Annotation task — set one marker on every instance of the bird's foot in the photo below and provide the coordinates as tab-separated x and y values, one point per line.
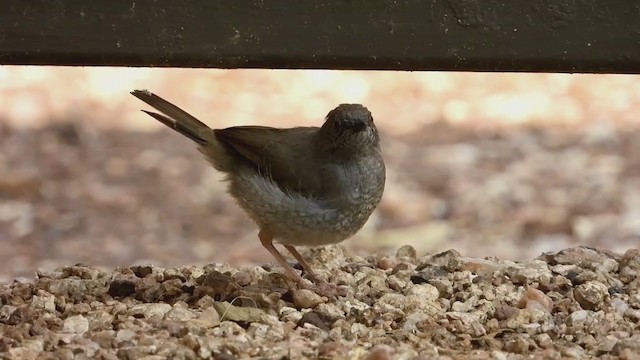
327	289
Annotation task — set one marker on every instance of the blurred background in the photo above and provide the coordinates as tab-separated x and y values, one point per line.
506	165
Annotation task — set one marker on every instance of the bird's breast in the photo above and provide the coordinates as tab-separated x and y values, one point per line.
348	194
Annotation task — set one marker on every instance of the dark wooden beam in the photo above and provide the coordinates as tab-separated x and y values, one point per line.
479	35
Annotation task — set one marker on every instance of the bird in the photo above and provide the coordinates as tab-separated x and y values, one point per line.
302	186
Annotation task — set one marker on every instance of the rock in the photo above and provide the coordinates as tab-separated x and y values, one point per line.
412	320
316	320
544	341
23	353
505	312
591	295
448	261
142	271
209	317
333	312
150	310
534	272
392	300
6	311
581	256
535	299
306	299
122	286
574	352
385	263
124	335
619	306
35	344
44	301
633	315
77	324
607	344
628	345
519	343
82	272
380	352
579	316
331	350
135	352
406	251
426	292
290	314
179	314
242	278
423	297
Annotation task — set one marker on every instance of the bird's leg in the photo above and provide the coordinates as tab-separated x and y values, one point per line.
321	286
305	265
266	238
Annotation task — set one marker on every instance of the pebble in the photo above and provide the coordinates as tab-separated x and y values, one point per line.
77	324
151	311
591	295
179	314
306	299
44	301
579	316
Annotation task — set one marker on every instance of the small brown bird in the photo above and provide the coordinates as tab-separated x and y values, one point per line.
305	186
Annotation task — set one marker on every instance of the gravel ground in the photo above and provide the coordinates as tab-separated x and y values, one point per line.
577	303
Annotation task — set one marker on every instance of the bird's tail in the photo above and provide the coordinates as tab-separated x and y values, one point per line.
187	125
176	118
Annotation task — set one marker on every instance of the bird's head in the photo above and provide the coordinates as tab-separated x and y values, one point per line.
350	126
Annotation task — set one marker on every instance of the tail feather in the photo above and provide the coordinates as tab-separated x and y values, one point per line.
176	126
187	125
176	118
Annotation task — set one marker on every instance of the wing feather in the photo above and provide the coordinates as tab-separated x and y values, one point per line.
281	154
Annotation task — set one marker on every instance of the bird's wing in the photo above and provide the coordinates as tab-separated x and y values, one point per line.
281	154
250	142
